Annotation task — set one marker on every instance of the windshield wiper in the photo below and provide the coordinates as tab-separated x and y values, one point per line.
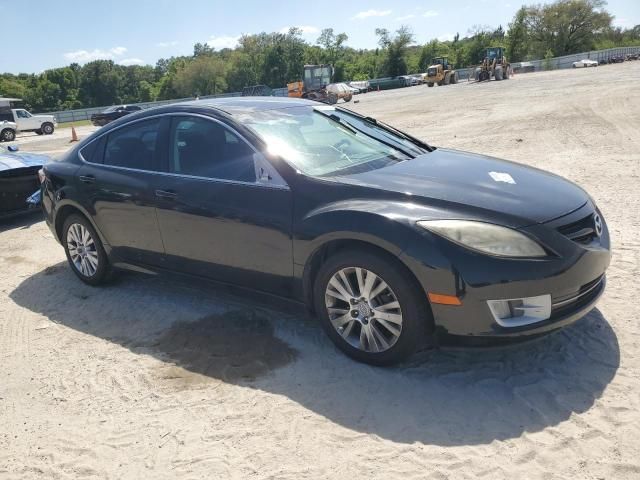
401	134
355	130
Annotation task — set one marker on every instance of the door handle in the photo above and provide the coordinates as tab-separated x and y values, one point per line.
165	194
87	178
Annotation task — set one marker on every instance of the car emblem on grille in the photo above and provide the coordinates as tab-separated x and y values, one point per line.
597	223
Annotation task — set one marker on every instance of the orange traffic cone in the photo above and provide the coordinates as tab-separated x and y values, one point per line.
74	135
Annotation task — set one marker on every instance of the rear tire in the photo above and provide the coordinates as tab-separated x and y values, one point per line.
7	135
47	128
348	98
346	323
430	84
84	250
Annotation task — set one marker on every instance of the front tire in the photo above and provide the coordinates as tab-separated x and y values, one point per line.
84	250
370	308
7	135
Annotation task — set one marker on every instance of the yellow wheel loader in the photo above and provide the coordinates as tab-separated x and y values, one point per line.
441	72
494	64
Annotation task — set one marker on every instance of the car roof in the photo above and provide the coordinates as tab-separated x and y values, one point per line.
240	105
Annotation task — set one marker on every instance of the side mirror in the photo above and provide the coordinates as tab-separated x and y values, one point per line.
13	148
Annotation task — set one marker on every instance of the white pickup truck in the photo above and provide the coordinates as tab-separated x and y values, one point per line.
25	121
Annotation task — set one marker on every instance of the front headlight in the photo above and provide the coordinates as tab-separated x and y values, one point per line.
485	237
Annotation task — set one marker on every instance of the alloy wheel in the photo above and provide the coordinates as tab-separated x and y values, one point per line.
82	249
363	309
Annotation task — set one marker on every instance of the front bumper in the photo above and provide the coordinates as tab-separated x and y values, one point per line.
575	279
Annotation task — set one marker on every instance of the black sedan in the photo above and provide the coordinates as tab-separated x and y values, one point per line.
388	239
113	113
19	182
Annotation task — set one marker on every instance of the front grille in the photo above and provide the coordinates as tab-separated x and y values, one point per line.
583	231
564	304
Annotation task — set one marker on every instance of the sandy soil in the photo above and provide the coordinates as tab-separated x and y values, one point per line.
163	378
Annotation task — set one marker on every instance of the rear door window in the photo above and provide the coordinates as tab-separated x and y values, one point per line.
94	151
134	146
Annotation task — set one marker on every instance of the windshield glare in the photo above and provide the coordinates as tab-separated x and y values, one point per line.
318	145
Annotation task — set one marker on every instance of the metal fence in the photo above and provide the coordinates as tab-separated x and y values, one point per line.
67	116
567	61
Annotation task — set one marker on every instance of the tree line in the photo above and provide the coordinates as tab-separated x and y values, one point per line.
274	59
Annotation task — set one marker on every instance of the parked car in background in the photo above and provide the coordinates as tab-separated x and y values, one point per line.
417	78
7	131
113	113
617	59
585	63
19	180
388	239
337	91
362	85
633	56
354	90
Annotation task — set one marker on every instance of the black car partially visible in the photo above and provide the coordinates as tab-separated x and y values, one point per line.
19	181
113	113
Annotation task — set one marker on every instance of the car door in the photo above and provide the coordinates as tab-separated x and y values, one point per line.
223	211
24	120
117	185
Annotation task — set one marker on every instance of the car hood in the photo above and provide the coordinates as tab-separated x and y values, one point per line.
11	161
491	184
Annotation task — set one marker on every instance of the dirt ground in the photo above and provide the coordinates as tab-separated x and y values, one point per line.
164	378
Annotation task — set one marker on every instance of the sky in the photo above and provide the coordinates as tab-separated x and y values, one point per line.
41	34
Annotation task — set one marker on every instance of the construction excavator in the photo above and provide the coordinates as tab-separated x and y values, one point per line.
494	64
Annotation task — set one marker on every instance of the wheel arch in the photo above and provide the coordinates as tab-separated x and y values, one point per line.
335	245
69	208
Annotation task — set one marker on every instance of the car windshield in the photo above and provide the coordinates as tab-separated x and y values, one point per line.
319	142
111	109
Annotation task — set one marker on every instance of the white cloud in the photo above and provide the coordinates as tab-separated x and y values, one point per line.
306	29
405	17
117	51
372	13
131	61
167	44
84	56
430	13
224	41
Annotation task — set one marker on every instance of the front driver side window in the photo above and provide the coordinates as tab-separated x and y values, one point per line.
205	148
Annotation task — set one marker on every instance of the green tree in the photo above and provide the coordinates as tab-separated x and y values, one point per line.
204	75
566	26
517	41
396	47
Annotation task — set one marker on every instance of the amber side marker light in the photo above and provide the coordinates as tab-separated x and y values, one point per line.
444	299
